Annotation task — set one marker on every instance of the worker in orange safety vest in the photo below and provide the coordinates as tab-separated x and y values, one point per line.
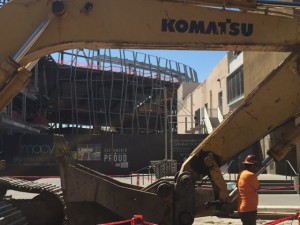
248	186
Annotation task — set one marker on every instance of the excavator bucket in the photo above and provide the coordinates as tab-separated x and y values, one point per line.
92	197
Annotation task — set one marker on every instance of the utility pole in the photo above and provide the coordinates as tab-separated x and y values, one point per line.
166	123
171	128
166	120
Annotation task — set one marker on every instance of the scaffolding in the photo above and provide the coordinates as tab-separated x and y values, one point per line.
119	91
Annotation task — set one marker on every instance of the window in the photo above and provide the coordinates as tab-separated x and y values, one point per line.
235	85
197	118
232	55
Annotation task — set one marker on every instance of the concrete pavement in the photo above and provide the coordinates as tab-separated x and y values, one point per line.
284	203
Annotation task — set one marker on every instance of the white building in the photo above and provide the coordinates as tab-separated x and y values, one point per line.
201	107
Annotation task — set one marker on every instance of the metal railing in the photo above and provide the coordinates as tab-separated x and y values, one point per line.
138	177
289	166
207	121
232	162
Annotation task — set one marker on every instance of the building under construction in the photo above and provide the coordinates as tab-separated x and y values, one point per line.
97	91
84	94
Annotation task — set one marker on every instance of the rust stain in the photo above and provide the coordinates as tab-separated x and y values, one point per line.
250	115
247	104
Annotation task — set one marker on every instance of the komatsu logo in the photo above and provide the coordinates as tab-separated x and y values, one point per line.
202	27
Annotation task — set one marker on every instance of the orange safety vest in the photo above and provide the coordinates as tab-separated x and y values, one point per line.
248	185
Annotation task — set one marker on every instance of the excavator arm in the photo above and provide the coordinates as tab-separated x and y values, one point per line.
35	28
271	105
140	24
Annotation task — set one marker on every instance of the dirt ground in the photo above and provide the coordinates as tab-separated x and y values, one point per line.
236	221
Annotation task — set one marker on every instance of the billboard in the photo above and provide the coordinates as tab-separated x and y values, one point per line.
108	154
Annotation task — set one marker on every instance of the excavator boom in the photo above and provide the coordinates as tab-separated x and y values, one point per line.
150	24
35	28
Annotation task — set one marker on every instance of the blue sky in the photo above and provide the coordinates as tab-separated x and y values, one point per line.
202	61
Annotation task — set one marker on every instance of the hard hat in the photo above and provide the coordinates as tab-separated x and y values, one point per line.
251	160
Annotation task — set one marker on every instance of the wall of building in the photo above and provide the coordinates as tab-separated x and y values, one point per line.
184	114
216	83
205	93
185	89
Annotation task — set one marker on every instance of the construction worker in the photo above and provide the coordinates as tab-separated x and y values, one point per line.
248	185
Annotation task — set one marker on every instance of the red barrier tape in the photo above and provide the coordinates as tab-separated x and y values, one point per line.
136	220
282	219
114	223
280	187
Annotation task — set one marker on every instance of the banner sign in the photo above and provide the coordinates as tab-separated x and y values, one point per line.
109	154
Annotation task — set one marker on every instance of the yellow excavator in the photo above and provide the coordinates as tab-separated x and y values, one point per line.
34	28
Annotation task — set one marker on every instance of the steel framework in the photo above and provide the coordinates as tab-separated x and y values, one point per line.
101	91
107	90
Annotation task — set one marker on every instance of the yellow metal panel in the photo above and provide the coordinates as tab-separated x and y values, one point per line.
142	24
222	3
7	68
18	81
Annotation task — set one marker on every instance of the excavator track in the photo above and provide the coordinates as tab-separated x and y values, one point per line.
37	210
10	215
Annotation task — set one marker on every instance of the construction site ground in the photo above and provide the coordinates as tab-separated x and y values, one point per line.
271	207
236	221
